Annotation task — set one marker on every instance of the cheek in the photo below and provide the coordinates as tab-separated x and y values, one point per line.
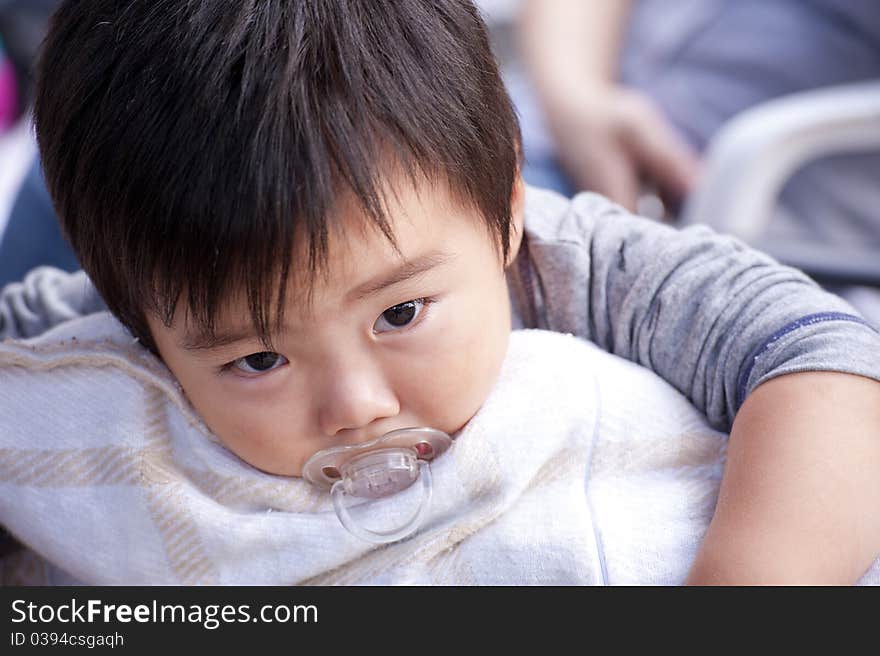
230	418
254	426
463	367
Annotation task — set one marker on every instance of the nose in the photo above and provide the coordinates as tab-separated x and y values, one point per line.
355	396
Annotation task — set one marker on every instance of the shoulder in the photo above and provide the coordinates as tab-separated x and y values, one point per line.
550	216
553	218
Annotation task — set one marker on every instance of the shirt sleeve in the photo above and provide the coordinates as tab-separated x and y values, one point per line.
45	298
710	315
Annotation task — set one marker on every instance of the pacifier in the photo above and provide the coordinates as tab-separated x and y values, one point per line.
376	470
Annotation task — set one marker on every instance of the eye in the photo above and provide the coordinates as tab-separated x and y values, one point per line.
258	363
400	316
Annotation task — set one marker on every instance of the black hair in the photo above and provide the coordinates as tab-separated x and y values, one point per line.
187	144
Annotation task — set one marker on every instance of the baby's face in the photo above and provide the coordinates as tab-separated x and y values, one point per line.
388	341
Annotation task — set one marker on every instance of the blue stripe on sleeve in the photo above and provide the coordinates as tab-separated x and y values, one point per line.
808	320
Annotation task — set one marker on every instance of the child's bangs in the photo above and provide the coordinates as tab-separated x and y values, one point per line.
206	159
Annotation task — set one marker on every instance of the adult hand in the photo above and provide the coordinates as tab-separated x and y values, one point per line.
614	141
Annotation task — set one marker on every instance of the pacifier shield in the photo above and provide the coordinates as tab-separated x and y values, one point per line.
374	472
327	466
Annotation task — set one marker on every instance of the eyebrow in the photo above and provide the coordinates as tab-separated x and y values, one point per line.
409	269
216	341
406	271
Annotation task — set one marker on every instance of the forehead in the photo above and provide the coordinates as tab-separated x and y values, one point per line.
429	228
422	218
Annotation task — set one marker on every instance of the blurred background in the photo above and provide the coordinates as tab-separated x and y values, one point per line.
758	117
22	26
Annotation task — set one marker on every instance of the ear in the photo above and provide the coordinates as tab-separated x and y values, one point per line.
517	213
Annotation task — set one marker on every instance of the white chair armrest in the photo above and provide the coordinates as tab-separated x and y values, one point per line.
751	158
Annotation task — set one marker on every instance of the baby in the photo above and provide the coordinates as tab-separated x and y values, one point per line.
312	213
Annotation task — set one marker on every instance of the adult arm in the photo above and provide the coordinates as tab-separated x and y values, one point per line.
608	137
45	298
800	498
789	369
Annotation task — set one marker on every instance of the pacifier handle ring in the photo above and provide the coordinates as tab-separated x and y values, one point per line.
338	494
